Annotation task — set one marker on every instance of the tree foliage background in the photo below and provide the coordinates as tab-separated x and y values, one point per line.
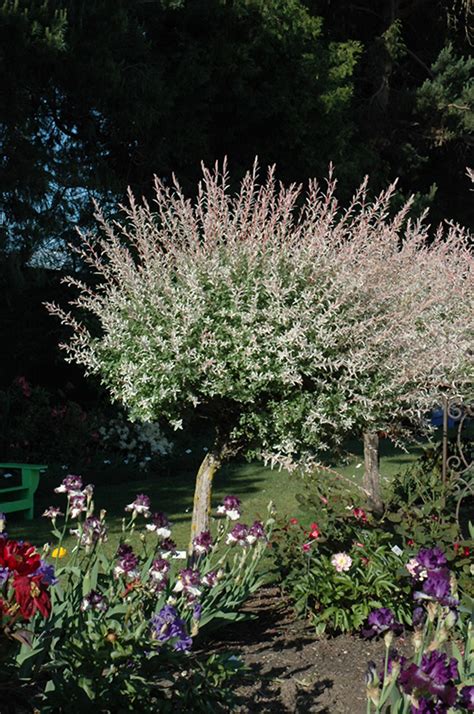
100	96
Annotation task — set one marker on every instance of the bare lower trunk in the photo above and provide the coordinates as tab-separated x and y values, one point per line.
202	495
371	471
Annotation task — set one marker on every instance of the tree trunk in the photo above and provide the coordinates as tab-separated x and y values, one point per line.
371	471
202	495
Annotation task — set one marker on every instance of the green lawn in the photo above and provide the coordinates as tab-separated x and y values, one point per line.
172	492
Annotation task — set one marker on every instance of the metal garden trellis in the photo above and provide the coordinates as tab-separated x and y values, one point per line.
460	464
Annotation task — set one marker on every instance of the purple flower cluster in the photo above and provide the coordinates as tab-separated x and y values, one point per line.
432	684
127	562
167	627
244	536
202	543
433	678
381	621
79	497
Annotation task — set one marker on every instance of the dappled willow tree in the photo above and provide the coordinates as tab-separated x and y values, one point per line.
287	323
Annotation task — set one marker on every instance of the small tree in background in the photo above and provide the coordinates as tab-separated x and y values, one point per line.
288	327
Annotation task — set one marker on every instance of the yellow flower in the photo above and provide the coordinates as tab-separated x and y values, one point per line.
59	552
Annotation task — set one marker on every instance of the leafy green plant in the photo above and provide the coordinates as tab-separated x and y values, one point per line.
338	590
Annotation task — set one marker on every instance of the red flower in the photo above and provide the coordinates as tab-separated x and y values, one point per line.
294	521
456	547
466	551
314	531
31	595
410	542
360	514
21	558
305	547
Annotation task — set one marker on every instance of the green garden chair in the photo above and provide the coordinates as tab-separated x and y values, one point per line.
18	483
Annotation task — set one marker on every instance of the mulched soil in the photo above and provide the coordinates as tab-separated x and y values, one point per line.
291	668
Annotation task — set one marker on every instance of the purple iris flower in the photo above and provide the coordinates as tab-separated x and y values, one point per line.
168	627
433	678
232	503
197	611
4	573
379	621
94	601
467	698
238	534
256	532
127	562
70	484
431	558
168	546
428	706
202	543
47	573
93	531
437	586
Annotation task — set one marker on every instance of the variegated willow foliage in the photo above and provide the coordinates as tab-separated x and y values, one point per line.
289	321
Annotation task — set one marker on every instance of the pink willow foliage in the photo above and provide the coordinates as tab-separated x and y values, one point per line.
331	318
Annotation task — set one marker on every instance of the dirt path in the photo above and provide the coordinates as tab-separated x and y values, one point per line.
291	669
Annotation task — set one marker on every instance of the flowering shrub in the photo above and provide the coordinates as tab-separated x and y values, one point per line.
41	426
121	629
439	678
338	589
136	442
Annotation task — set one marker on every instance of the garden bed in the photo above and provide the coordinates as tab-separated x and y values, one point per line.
293	670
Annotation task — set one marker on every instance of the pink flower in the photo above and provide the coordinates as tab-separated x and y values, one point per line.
306	547
342	562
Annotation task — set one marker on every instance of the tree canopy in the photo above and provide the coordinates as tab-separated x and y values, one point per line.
288	323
